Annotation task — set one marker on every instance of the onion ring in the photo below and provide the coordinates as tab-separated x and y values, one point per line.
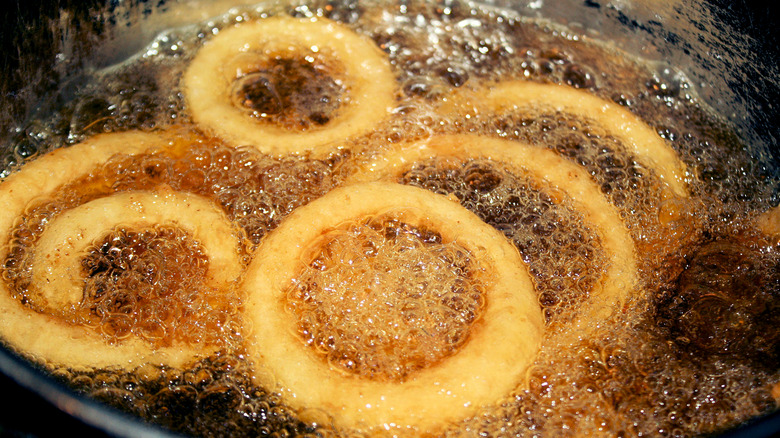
56	277
208	80
639	139
50	339
486	368
769	222
619	279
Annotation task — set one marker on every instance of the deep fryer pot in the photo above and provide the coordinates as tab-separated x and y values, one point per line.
728	50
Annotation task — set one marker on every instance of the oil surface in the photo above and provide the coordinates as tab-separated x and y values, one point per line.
694	351
430	296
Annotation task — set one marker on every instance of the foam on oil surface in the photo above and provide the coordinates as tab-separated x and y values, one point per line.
562	253
382	299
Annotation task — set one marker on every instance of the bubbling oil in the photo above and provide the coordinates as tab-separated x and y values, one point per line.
674	362
382	298
295	94
140	283
562	253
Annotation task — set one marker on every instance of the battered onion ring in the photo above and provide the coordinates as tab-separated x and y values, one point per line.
207	84
769	222
502	344
639	139
56	270
47	337
619	279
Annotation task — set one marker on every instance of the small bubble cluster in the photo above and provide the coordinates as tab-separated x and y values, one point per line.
625	381
620	177
294	94
381	298
562	253
215	390
634	189
146	283
150	283
256	191
132	98
726	304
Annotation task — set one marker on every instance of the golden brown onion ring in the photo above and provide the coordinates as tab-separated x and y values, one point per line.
502	344
541	164
208	81
639	139
50	339
57	275
769	222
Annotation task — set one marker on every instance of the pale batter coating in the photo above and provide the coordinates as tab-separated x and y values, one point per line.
57	274
639	139
769	222
618	281
492	363
248	47
47	337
